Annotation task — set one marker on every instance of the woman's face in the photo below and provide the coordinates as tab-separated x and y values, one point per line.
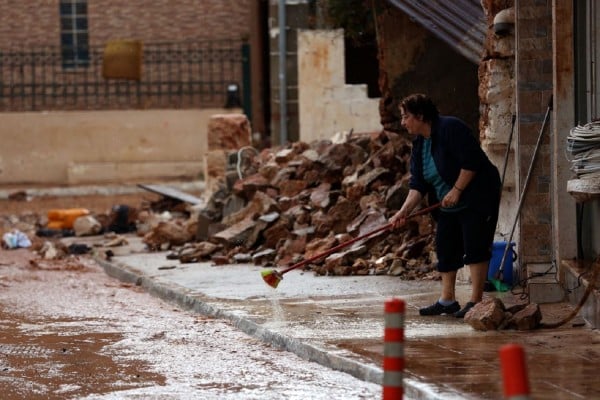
412	123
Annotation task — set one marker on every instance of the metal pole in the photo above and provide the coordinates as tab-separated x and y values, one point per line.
525	185
283	136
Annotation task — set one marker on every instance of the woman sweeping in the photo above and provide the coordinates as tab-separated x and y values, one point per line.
448	165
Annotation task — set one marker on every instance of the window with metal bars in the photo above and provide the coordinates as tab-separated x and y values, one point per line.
74	34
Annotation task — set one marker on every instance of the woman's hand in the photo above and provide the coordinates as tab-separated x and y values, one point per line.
399	219
451	198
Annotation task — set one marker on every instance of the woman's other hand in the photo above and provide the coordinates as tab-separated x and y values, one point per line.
451	198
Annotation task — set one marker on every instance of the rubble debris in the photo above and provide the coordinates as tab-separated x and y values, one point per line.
52	251
87	225
196	252
15	239
58	264
19	195
296	201
286	204
172	193
492	314
122	219
108	255
54	233
114	240
227	134
168	234
79	248
64	218
527	319
486	315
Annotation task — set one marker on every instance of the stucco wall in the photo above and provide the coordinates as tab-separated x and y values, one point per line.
100	146
327	105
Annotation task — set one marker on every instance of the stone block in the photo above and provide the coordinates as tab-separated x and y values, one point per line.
545	289
236	234
229	132
527	319
488	314
215	168
542	284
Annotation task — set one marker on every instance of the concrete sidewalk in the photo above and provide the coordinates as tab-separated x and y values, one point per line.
338	322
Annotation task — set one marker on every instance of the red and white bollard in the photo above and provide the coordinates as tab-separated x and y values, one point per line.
514	372
393	349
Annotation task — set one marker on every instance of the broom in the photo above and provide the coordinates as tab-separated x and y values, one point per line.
273	277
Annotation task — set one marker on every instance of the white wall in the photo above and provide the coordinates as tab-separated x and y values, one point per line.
327	105
102	146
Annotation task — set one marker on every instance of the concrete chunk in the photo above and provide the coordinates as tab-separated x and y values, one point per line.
527	319
236	234
228	132
487	315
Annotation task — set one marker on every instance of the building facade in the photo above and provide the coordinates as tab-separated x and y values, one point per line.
63	116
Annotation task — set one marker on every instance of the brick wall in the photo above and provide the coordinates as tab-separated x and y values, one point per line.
36	22
415	61
534	88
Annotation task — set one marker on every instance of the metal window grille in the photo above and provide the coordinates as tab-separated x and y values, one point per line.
174	75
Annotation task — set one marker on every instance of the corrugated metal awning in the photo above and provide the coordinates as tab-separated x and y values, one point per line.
459	23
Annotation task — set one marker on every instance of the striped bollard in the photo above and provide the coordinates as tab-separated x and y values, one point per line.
393	349
514	372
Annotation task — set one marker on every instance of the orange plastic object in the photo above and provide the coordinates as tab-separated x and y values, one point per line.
64	218
514	371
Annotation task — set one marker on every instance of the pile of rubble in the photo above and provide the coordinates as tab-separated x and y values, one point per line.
284	205
492	314
281	206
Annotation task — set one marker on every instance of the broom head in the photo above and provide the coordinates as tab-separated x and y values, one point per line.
271	277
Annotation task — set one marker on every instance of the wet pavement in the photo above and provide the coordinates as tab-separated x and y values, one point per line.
338	322
69	331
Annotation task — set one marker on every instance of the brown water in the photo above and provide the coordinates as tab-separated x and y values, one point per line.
39	360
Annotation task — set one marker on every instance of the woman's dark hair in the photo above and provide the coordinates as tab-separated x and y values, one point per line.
420	104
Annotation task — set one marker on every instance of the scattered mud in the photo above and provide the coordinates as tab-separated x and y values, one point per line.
53	358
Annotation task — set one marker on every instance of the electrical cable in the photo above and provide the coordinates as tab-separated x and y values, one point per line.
239	159
523	295
590	288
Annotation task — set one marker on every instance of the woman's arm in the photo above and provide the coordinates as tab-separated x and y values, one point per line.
413	199
464	178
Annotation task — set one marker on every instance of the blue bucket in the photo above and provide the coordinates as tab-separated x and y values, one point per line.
511	257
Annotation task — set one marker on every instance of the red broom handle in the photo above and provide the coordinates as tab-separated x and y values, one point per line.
349	242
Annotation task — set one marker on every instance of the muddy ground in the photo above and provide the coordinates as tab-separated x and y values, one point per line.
68	330
59	355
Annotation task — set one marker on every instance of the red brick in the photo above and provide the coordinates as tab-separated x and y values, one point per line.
28	23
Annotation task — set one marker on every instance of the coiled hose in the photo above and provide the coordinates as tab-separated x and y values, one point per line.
583	145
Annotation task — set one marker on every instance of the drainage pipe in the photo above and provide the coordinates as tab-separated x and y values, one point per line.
283	136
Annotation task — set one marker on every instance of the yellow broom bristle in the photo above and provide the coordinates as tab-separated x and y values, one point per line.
271	277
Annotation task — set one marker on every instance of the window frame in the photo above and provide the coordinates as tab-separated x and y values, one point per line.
74	34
